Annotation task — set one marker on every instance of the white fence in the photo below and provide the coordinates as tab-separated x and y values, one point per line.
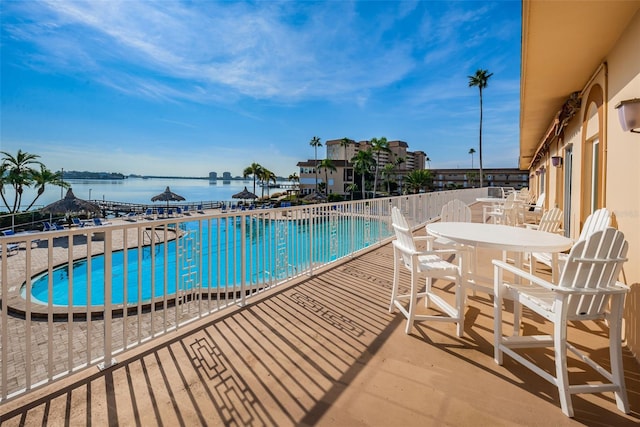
76	298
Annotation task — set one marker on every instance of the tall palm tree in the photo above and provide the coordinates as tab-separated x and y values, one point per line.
387	172
344	143
378	145
315	143
19	170
351	188
472	151
255	169
480	79
327	165
398	161
43	177
363	162
266	176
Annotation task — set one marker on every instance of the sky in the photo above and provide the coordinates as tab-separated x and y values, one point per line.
183	88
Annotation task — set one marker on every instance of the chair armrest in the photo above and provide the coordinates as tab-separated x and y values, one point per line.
524	274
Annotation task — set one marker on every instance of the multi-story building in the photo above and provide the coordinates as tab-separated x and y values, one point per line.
341	155
444	179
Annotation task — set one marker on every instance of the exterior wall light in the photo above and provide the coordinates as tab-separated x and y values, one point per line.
556	161
629	114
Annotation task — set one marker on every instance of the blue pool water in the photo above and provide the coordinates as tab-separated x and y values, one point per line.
142	275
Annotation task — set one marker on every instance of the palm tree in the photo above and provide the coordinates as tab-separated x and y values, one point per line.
363	162
18	171
344	142
398	162
472	151
387	173
315	143
418	179
480	79
266	176
327	165
255	170
351	188
378	146
42	178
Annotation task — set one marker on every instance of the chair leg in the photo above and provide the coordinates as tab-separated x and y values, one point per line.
615	353
562	374
396	279
498	291
460	298
412	303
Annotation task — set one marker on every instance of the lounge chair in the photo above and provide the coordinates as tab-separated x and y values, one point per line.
131	217
99	222
185	210
148	214
200	210
78	223
11	248
160	213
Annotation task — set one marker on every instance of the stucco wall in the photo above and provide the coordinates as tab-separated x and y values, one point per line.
623	166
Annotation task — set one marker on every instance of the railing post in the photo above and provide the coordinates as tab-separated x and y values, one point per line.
243	256
108	282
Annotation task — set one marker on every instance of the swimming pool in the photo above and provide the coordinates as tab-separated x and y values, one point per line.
208	257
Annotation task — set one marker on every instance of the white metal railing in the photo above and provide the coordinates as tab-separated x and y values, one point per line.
77	298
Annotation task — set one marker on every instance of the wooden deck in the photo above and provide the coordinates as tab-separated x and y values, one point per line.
325	351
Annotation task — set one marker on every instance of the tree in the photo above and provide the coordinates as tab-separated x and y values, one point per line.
378	146
327	165
315	143
480	79
351	188
398	162
418	179
387	173
17	172
266	176
363	162
255	169
472	151
344	142
43	177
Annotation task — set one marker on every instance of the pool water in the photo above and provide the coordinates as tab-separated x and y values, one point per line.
273	250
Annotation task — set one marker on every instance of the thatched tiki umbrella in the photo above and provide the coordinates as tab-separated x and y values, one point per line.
167	196
244	195
70	204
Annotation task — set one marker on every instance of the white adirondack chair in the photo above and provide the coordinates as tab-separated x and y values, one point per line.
534	212
588	290
504	213
453	211
597	221
549	222
426	263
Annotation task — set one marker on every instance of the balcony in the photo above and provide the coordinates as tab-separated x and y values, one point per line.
321	349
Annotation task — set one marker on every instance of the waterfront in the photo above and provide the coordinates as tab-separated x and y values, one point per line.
139	190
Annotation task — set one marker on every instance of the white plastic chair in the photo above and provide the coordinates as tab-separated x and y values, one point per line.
453	211
427	263
534	212
587	290
550	221
597	221
505	213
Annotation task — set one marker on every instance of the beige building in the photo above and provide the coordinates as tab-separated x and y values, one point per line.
580	59
341	155
444	179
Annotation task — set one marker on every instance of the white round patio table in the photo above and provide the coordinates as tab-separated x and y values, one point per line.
503	237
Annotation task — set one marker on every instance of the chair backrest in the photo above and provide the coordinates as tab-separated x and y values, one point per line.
510	201
539	203
594	264
404	239
455	211
597	221
77	222
550	220
97	221
8	232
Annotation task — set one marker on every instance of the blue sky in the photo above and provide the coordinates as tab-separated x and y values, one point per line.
184	88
